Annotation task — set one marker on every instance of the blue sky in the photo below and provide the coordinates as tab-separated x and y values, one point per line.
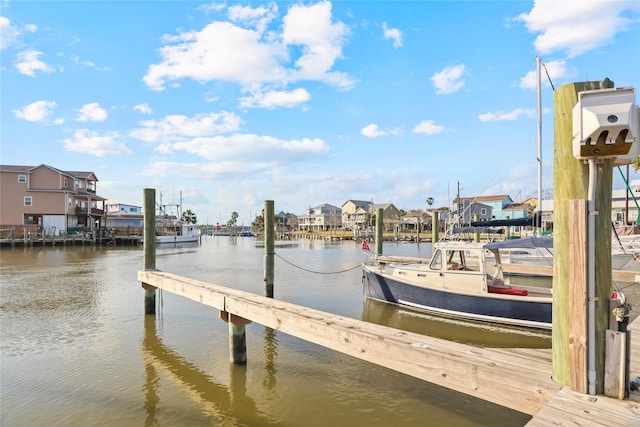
303	103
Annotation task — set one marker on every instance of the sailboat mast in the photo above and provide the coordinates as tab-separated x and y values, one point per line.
539	206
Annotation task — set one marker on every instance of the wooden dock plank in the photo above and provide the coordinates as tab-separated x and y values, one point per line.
570	408
494	376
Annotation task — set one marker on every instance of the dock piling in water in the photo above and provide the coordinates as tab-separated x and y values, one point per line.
149	256
269	233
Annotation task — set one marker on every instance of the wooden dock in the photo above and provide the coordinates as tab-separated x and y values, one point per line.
569	408
519	379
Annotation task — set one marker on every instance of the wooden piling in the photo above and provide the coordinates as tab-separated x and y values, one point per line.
379	230
571	178
476	235
149	254
435	228
269	235
237	337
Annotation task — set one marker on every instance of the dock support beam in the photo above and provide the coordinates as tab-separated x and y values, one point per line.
149	255
237	337
269	253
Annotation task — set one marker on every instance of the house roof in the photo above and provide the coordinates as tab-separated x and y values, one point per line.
359	203
14	168
26	169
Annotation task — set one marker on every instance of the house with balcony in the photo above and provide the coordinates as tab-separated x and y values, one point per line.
358	215
323	217
49	200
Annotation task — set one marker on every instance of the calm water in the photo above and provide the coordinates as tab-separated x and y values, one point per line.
77	349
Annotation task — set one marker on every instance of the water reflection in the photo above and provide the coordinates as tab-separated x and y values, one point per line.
217	401
467	332
270	355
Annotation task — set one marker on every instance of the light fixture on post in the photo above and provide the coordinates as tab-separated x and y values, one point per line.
605	125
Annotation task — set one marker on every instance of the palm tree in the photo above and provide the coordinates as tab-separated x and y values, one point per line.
232	221
189	217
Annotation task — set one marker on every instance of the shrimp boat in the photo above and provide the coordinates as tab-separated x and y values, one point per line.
462	280
176	232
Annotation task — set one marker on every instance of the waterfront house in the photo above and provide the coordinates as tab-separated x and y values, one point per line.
124	219
465	210
498	208
413	219
356	213
49	201
323	217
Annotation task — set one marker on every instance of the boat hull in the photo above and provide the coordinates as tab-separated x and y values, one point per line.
487	307
176	239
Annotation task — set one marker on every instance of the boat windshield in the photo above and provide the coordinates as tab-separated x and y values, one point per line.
436	261
457	260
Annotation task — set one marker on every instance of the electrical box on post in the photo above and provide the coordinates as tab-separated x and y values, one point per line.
606	124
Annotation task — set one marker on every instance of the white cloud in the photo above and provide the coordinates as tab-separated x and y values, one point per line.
76	59
449	80
10	34
237	155
178	127
557	71
212	7
212	53
428	127
507	115
372	131
273	99
86	141
258	17
576	27
28	62
36	111
91	113
143	109
321	41
253	148
392	34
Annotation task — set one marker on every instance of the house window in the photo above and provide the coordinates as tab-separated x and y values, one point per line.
22	178
483	211
66	183
28	201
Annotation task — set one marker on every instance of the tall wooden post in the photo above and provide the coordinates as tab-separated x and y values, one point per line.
476	235
379	230
268	248
571	178
149	256
435	229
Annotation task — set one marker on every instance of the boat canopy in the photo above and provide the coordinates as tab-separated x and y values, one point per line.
517	222
530	242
